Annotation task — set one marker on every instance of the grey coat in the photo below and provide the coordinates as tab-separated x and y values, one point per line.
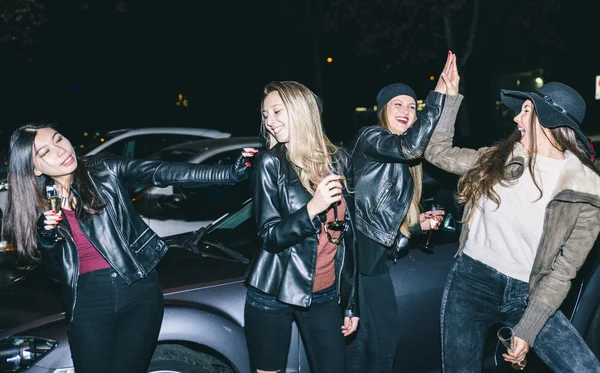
571	224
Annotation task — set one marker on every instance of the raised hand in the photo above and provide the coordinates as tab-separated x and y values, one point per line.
448	82
328	191
242	163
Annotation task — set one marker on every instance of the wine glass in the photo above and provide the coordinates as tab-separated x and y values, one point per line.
336	224
505	335
428	246
53	202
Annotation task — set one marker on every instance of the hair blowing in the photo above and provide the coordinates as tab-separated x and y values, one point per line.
491	165
26	193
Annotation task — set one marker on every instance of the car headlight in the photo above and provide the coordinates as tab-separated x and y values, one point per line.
19	353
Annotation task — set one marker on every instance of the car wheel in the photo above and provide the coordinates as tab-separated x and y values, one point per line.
171	358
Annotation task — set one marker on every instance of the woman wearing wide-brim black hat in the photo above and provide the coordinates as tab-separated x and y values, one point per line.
532	207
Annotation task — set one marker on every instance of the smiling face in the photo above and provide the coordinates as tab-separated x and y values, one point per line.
53	155
534	136
276	118
401	113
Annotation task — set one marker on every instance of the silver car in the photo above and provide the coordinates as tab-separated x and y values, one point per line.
203	275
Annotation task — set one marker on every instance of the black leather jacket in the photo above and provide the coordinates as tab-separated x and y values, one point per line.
118	232
285	267
384	185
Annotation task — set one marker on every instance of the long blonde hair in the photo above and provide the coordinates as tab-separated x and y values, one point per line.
416	171
309	150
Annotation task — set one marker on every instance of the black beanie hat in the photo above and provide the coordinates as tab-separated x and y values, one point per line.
390	91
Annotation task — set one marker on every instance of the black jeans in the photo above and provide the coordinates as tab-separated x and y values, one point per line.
476	297
375	345
268	327
115	326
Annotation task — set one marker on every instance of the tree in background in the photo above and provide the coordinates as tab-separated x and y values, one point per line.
513	34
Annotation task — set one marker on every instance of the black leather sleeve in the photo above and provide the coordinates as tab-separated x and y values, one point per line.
278	229
379	144
162	174
47	246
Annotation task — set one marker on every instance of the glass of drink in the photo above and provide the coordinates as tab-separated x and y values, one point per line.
428	246
505	335
336	224
53	202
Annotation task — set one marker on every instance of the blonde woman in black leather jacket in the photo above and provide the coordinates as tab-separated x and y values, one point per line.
305	269
387	175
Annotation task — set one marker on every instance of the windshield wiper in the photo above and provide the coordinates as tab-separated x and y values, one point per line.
195	245
232	253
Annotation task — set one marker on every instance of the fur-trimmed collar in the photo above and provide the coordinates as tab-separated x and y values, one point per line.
573	176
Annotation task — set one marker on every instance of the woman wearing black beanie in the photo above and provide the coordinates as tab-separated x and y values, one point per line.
387	192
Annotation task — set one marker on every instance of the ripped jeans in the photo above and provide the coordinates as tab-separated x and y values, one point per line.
476	297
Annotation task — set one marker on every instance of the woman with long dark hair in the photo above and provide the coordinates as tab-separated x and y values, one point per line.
94	243
532	213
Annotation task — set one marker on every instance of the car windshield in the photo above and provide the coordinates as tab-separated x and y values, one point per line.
235	231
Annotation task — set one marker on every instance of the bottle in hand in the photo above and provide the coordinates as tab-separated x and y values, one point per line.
53	202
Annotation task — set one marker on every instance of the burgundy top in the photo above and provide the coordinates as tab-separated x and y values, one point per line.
89	257
325	267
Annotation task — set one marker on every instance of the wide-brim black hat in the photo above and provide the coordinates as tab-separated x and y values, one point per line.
556	105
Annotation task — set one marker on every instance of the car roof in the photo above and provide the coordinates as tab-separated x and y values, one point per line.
207	147
126	133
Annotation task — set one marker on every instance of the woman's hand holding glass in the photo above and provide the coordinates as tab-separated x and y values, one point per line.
431	219
51	220
328	191
516	348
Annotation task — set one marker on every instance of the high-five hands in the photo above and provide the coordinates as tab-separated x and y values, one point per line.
449	80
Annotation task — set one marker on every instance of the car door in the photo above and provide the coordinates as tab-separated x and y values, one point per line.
419	277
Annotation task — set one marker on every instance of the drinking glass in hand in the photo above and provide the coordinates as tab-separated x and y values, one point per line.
428	246
337	225
505	335
53	202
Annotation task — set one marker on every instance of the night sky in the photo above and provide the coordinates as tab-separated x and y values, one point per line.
95	68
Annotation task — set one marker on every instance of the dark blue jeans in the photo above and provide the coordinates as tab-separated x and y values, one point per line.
115	326
373	349
476	297
268	327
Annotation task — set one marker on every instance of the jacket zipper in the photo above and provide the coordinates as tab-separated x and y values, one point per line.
383	196
126	243
339	278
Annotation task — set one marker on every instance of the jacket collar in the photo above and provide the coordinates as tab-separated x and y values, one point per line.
574	176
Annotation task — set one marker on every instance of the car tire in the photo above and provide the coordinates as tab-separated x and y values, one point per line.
172	358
